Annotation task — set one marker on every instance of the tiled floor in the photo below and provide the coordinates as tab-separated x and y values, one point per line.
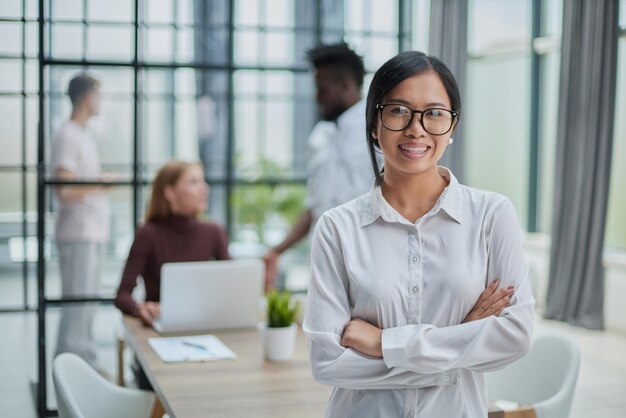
601	390
18	357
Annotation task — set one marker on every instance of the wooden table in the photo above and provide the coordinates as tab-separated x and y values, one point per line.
248	386
522	412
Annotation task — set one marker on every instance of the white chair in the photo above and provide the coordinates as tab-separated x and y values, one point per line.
82	393
544	379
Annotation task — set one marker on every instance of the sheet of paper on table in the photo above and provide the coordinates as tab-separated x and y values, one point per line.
191	348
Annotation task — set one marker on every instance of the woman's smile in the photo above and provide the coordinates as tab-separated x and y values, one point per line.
413	150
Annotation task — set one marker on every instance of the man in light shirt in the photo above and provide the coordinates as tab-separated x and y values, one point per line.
82	223
339	167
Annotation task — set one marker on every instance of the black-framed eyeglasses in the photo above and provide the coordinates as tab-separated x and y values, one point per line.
435	120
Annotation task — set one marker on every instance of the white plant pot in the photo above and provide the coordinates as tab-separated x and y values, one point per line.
278	343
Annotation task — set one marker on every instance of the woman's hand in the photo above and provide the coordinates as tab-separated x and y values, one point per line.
148	311
491	302
363	337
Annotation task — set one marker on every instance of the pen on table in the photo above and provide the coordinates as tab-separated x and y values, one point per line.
195	345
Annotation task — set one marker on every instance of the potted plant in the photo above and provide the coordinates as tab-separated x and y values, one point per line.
278	333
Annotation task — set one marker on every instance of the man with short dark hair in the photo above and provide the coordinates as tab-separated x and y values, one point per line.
339	166
82	223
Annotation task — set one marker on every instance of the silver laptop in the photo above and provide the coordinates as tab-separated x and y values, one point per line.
209	295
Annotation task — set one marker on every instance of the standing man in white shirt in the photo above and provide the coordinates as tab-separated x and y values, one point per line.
339	167
82	223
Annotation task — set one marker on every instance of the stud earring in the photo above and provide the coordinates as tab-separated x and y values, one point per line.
450	141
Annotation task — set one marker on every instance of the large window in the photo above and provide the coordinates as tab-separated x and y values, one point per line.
497	99
616	222
223	82
547	46
18	141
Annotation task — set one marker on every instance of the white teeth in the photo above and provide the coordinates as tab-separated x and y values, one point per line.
414	149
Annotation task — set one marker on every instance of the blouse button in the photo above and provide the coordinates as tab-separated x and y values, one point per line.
415	289
415	259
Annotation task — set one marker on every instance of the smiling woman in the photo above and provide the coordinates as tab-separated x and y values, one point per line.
419	286
171	233
414	145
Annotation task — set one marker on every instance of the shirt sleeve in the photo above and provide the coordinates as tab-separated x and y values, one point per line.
64	153
135	265
328	312
315	187
484	345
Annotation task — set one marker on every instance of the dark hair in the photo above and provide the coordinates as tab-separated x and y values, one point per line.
393	72
341	58
80	86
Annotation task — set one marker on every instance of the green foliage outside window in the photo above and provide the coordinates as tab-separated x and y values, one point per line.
255	204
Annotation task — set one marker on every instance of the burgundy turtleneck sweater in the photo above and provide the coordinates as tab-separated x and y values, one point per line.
177	238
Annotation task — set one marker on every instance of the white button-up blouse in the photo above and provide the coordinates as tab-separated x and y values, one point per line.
417	282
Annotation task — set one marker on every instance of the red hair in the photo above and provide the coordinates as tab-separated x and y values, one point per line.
168	175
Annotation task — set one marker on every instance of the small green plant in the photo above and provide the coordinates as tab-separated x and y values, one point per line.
281	310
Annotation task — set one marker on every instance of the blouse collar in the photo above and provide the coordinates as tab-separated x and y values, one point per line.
450	201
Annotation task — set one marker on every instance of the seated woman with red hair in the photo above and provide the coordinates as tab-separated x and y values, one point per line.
172	232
